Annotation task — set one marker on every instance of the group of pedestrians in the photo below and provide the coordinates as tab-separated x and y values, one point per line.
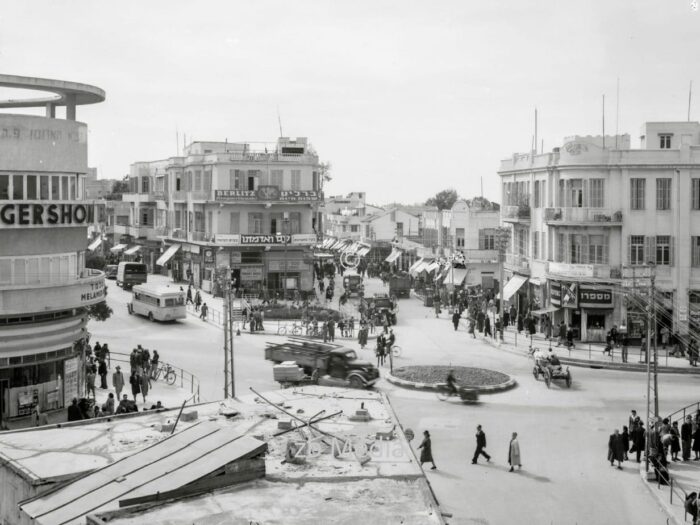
514	458
385	342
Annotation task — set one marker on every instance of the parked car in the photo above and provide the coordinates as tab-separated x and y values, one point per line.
111	271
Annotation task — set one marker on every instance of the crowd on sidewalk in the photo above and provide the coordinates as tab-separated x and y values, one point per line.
144	370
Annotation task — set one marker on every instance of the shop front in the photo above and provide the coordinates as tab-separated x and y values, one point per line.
587	309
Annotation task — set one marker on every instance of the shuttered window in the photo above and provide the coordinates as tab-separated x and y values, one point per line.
663	194
637	190
636	249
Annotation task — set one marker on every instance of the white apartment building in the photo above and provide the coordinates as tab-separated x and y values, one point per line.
343	215
229	206
586	210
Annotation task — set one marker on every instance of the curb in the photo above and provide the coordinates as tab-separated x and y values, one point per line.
665	505
432	387
585	363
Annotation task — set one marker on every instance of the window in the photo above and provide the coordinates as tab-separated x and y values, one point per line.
597	249
296	179
577	249
178	219
32	187
665	141
487	239
235	223
188	181
459	235
210	222
354	228
255	223
178	182
44	189
17	187
4	187
294	222
399	229
695	191
73	194
536	238
276	224
663	194
144	218
596	188
207	181
663	250
198	221
236	179
637	187
252	180
537	194
144	184
636	249
276	178
695	251
197	180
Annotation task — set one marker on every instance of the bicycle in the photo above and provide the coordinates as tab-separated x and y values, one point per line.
396	351
168	374
466	395
295	329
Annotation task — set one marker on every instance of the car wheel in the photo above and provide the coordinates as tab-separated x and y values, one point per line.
356	382
150	316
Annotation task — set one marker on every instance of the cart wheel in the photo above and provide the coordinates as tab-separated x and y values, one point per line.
296	330
282	330
568	379
547	378
442	394
535	373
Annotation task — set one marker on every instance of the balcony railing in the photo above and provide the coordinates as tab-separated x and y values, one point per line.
516	213
517	262
485	256
597	216
599	271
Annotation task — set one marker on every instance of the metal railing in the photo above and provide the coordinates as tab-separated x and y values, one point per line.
183	377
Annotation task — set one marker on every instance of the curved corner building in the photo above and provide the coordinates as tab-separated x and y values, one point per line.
44	285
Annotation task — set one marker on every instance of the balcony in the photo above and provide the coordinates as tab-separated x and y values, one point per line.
517	263
480	256
138	232
145	197
516	213
83	290
578	271
582	217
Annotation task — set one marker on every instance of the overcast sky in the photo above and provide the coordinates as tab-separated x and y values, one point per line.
402	98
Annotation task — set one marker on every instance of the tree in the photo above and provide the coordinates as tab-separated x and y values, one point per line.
483	203
119	187
444	200
95	261
99	312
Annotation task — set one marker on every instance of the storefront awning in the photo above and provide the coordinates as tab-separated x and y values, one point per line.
95	244
513	286
132	250
324	255
455	276
431	267
415	265
547	310
363	251
118	248
167	255
395	254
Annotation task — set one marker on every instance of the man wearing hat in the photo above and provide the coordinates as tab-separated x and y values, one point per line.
118	381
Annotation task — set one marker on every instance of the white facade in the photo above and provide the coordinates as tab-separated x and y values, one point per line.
389	225
586	210
343	215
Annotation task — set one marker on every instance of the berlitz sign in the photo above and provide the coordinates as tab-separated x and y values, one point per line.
268	193
27	214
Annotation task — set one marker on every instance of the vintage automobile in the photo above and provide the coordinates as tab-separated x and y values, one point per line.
352	284
548	366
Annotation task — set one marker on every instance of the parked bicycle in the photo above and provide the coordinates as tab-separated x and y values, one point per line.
294	329
168	373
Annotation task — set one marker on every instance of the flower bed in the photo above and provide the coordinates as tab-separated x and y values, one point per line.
465	376
282	312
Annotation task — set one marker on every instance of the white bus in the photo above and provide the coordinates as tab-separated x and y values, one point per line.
158	302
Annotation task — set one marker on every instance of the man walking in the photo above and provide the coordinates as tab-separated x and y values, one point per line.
686	437
118	381
197	301
480	445
204	312
455	319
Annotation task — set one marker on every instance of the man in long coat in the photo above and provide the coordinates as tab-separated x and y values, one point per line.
616	450
118	381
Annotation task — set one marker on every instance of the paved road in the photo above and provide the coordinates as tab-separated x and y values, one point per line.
563	432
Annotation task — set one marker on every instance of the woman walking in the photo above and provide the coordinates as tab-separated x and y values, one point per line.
426	453
514	452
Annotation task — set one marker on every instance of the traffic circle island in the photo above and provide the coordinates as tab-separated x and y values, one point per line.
432	377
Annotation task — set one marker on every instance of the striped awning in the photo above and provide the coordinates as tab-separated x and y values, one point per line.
415	265
95	244
132	250
455	276
167	255
432	266
118	248
395	254
363	251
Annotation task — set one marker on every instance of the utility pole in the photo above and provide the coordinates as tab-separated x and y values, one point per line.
226	349
652	373
229	378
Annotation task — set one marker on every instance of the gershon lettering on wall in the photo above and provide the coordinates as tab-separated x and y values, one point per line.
33	214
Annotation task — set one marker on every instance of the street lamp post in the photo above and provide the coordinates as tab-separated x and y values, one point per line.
285	230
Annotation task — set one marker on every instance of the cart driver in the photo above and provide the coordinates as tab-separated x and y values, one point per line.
451	383
554	360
